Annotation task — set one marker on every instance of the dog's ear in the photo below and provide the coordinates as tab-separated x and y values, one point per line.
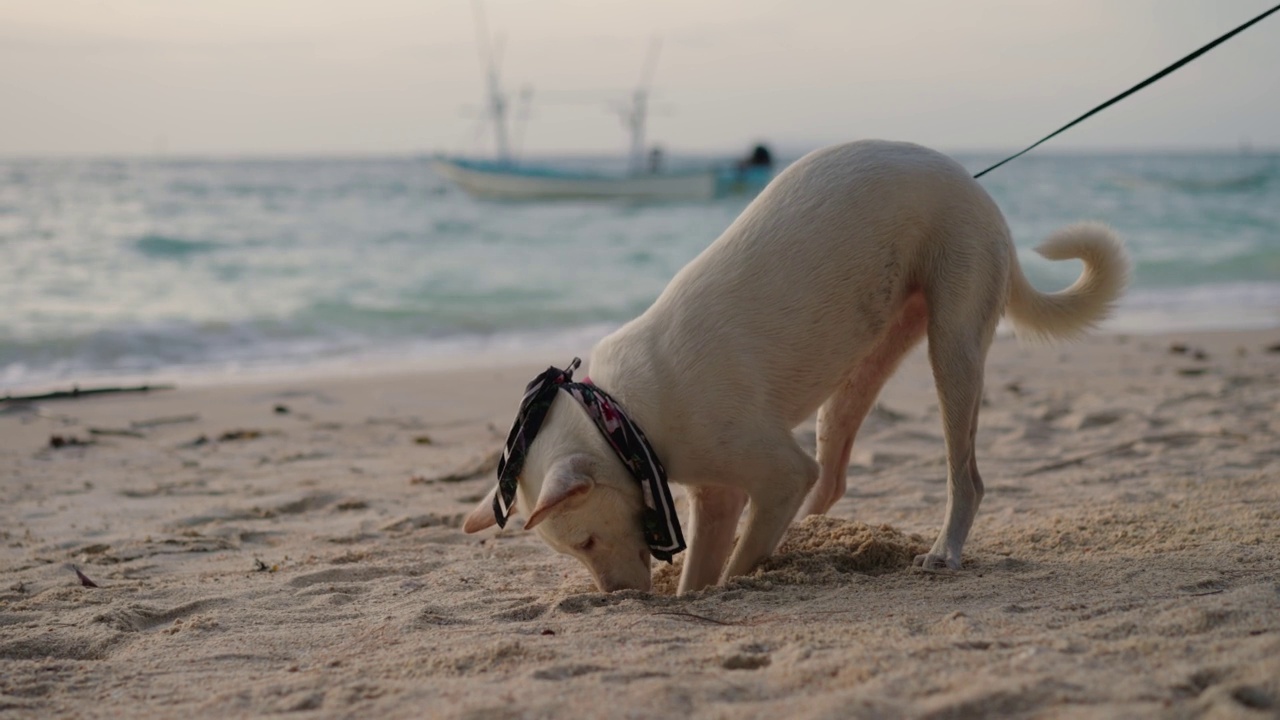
482	517
568	479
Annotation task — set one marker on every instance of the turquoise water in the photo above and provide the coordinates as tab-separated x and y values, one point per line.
142	267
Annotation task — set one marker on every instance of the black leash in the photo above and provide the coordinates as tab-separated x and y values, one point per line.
1136	88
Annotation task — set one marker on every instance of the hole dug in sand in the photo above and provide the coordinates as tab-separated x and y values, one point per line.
820	550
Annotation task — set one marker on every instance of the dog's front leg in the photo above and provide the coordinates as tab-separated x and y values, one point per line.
715	511
777	485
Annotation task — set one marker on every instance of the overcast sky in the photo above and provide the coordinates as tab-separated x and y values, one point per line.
235	77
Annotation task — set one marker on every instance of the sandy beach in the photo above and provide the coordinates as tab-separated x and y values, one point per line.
294	546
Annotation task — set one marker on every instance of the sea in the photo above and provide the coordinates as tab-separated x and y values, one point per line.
161	269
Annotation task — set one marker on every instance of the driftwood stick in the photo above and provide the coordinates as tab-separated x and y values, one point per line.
115	432
156	422
76	392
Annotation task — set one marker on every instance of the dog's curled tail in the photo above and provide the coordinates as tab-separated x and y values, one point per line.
1088	301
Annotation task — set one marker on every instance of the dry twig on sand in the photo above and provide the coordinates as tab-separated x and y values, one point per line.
75	392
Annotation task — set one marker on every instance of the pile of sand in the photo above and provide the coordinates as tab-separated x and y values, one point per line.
819	550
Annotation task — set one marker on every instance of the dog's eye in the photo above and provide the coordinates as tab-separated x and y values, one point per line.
588	544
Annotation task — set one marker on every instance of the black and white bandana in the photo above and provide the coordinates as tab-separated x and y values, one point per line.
659	522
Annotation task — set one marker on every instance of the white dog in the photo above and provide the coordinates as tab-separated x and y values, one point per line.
807	303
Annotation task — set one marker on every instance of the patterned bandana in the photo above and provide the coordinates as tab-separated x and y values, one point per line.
659	522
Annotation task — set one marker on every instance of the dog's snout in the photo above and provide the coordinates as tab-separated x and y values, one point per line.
608	585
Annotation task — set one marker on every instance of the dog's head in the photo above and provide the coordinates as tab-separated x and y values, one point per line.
584	501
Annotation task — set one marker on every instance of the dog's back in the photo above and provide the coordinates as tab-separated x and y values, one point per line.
809	276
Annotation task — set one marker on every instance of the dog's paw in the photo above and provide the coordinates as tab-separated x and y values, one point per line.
937	563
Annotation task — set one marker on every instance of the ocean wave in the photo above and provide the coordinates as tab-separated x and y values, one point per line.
245	348
1252	182
164	247
147	266
328	334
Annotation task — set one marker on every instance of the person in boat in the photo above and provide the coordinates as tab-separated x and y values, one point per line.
760	157
655	160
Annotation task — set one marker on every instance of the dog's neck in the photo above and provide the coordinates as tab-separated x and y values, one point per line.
632	386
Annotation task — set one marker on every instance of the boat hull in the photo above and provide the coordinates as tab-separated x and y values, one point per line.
513	183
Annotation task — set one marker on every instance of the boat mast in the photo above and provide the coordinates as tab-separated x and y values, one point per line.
634	115
491	59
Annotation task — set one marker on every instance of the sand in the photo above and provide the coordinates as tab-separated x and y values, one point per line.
294	546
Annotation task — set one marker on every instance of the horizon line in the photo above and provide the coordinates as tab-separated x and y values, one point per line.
786	150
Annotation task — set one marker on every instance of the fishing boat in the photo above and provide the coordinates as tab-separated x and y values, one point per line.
514	181
645	178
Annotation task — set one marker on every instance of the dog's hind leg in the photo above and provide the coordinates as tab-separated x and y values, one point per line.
715	511
842	414
776	474
960	332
